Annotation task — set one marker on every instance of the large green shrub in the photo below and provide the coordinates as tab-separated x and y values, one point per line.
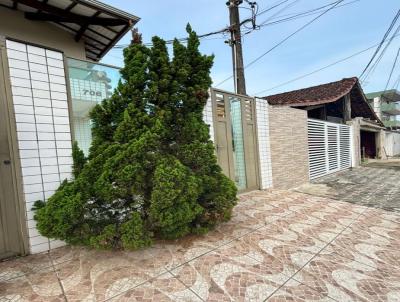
151	170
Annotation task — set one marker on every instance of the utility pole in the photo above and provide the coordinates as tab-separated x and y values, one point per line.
236	43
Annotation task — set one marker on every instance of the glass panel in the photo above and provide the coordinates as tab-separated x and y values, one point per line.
90	83
238	143
219	100
249	110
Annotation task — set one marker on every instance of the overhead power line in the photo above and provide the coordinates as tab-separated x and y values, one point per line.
381	43
320	69
279	12
225	31
391	71
294	16
396	84
221	31
272	7
375	64
284	40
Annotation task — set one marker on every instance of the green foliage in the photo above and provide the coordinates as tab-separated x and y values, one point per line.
107	239
173	204
151	172
79	159
134	234
63	215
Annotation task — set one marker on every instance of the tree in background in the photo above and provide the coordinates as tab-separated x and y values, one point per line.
151	170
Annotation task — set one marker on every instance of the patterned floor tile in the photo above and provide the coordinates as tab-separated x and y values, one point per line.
311	226
374	217
98	275
246	219
217	278
395	217
334	249
378	257
165	288
286	202
385	229
277	257
337	214
296	291
39	286
188	248
346	280
67	253
17	267
288	248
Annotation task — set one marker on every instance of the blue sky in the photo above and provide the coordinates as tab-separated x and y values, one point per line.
336	35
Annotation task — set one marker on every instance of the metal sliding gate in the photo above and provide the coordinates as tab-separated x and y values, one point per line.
329	147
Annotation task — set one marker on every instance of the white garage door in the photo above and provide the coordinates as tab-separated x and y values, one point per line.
329	147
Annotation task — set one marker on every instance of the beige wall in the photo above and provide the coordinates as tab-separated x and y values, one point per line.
289	147
14	25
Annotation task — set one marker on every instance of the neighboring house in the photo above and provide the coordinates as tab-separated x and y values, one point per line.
337	102
49	81
328	106
386	105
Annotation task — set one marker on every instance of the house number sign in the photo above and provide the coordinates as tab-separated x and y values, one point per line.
92	92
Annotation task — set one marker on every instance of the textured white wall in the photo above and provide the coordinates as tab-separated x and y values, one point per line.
42	119
392	143
264	143
377	106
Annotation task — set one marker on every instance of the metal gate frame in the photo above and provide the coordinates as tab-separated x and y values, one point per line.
19	245
330	147
245	124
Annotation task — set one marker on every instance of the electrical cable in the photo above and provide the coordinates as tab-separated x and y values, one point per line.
279	12
294	16
272	7
374	66
380	45
392	69
284	40
226	29
320	69
396	83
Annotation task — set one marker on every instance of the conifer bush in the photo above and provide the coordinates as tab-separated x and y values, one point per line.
151	172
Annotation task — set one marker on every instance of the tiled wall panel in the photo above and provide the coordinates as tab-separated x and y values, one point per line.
44	137
264	143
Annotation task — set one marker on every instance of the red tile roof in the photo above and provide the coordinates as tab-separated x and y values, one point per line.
328	93
321	94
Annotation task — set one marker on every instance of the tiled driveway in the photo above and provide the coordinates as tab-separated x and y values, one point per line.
279	246
376	184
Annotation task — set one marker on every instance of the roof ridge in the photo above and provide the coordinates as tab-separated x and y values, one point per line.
355	79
